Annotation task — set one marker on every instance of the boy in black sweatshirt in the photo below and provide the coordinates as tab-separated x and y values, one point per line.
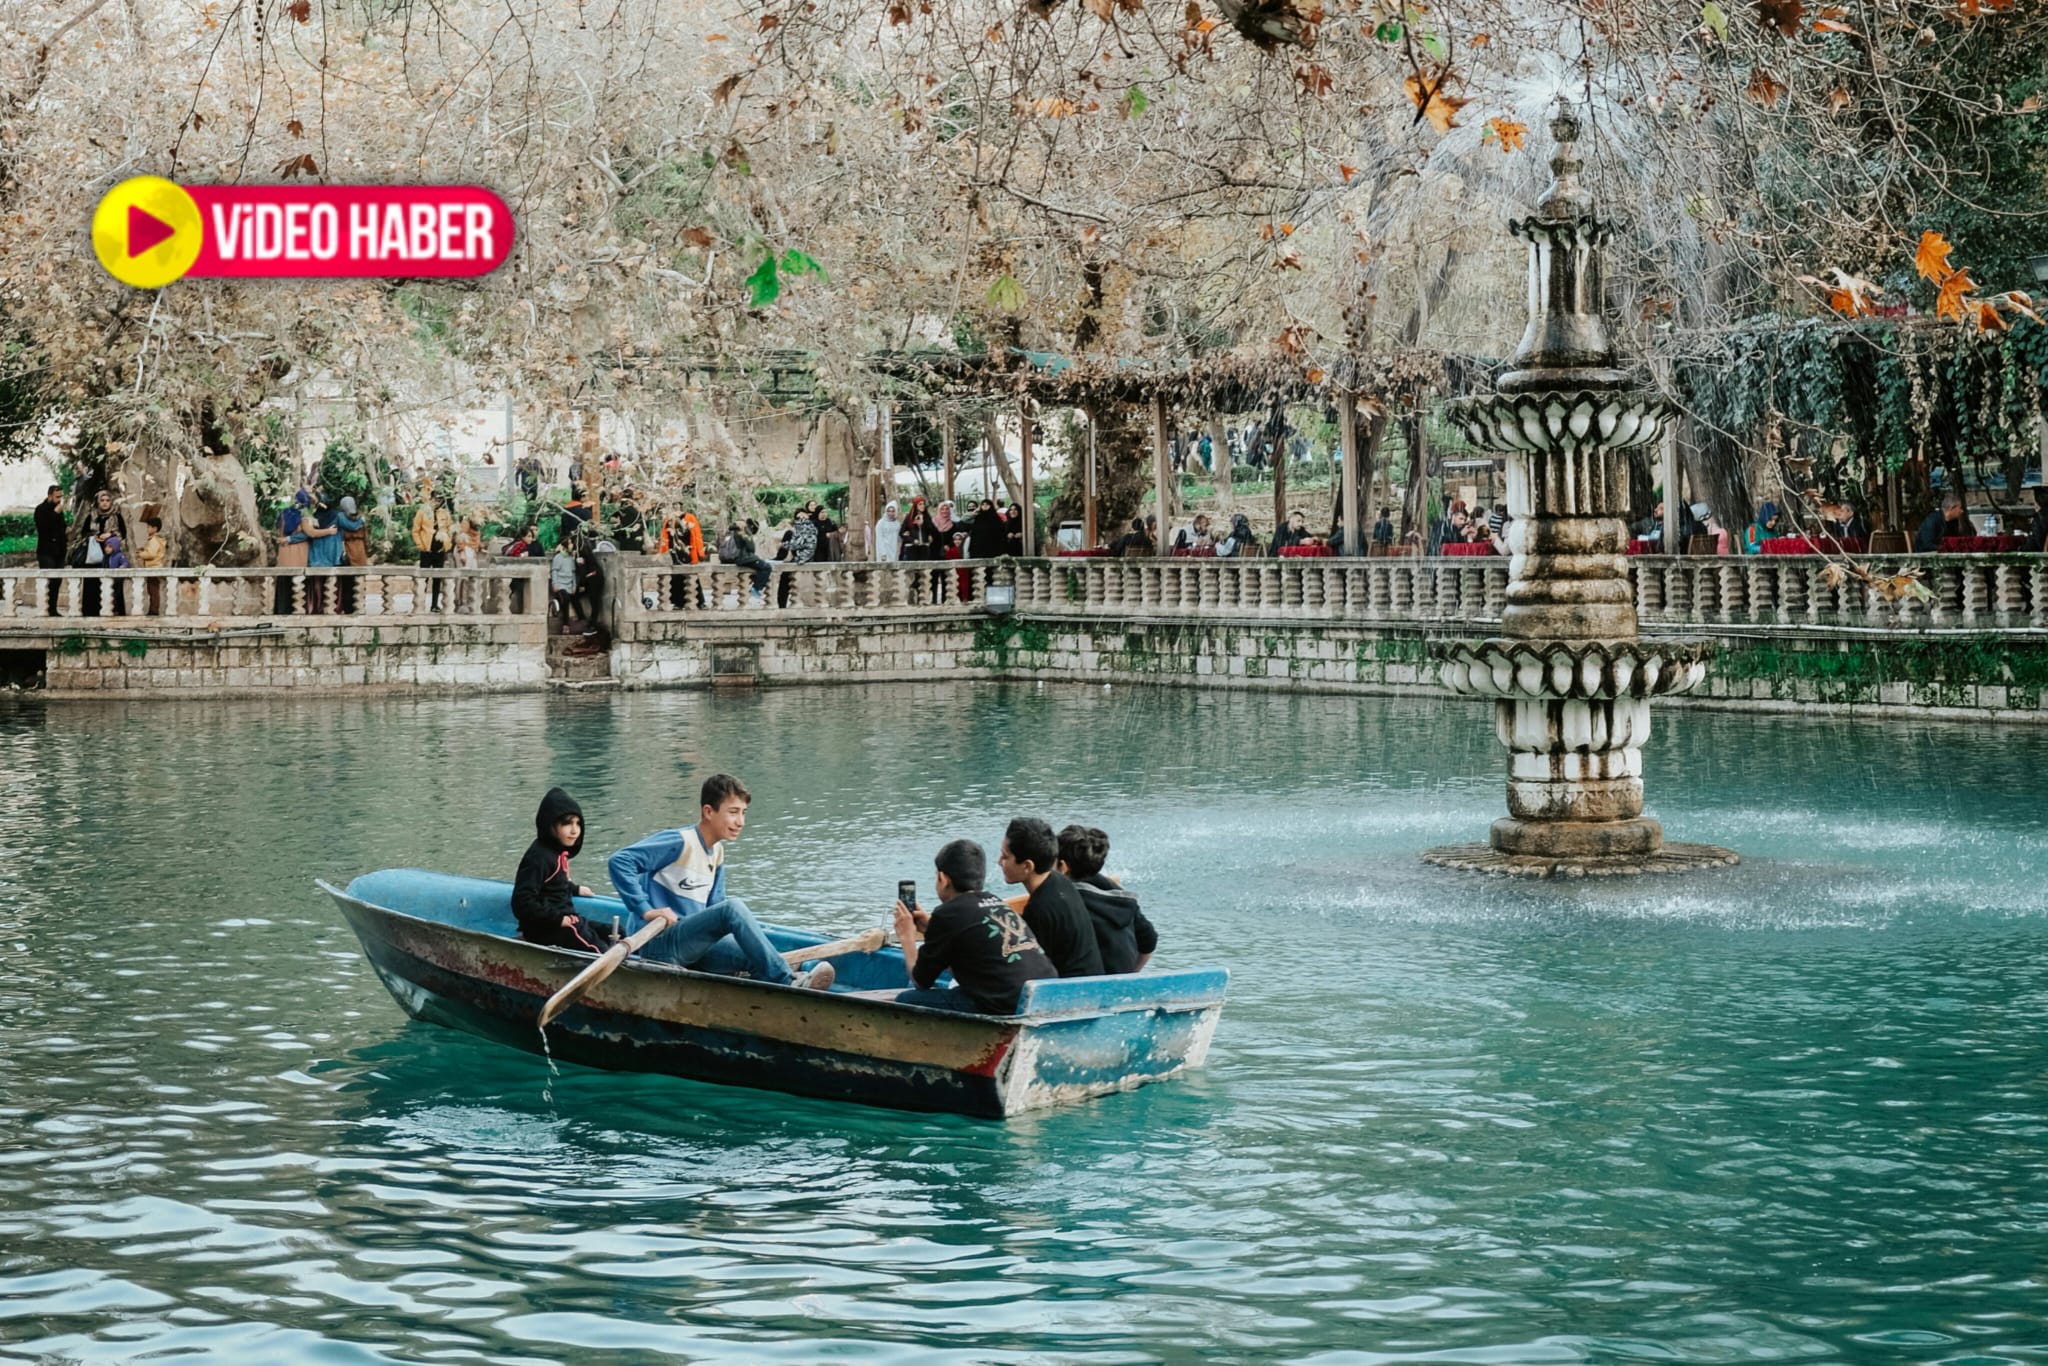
543	890
1124	936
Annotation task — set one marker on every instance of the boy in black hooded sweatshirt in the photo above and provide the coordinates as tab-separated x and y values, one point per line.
543	890
1124	936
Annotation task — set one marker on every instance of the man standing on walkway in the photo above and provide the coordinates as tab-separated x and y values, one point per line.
50	541
50	535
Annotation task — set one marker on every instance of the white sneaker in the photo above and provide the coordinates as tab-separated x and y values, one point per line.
819	978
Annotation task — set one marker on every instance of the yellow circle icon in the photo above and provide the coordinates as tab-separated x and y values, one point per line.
147	232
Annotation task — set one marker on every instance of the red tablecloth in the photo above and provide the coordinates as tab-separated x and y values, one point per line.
1207	552
1084	554
1638	546
1810	545
1305	552
1468	547
1979	545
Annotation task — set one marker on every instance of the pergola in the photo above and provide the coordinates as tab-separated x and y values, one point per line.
1212	386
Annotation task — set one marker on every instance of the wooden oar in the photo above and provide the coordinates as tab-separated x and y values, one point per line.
604	967
860	943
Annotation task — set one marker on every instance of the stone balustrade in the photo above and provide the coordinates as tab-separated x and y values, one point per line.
40	598
2001	591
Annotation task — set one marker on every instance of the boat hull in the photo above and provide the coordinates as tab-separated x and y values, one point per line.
1076	1038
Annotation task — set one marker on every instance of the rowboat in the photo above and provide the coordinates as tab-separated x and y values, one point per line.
445	948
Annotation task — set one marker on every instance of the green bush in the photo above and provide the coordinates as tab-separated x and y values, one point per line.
780	502
17	545
13	524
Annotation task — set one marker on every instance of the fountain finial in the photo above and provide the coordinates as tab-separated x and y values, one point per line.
1564	200
1566	345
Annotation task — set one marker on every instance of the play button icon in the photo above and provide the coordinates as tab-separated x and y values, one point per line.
147	232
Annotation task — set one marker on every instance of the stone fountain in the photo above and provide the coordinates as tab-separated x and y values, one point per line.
1570	680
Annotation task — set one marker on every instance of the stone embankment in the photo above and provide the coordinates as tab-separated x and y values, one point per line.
1788	636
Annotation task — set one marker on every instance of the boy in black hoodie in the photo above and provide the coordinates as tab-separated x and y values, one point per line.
543	890
1123	934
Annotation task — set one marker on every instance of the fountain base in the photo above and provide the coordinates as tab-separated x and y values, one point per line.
1664	858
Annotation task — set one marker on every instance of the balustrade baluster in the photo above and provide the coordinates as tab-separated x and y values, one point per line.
2037	594
1733	596
2008	593
1756	591
1496	592
1976	601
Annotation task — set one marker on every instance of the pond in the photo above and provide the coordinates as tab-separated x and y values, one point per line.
1792	1110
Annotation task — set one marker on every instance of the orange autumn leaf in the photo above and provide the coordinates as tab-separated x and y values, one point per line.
1480	39
1930	258
1345	173
1988	319
1949	303
1432	102
1849	295
1509	132
1765	88
2019	303
1833	26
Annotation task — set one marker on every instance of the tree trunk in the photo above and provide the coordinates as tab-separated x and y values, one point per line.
1219	454
1424	464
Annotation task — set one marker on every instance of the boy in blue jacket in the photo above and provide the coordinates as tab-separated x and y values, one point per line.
680	875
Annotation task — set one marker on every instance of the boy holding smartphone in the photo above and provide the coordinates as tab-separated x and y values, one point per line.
970	933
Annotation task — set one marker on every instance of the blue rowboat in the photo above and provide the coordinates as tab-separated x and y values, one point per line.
444	948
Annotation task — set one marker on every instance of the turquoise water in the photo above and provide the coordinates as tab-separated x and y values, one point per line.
1794	1110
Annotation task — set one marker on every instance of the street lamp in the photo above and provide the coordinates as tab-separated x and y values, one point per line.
2040	266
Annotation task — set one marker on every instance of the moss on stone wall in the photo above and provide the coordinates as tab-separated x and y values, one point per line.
1936	669
1010	641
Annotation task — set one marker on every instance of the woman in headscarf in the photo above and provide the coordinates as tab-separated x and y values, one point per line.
985	535
799	547
821	517
920	538
1239	540
1013	532
942	518
889	534
1764	528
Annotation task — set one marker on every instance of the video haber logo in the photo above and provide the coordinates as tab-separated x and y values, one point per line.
148	231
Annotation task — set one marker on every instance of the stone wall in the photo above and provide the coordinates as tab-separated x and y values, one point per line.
495	656
757	649
1997	674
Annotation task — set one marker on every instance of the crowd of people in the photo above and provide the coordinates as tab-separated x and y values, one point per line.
317	533
1070	919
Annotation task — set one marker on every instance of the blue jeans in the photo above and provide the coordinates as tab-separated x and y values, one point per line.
725	939
940	998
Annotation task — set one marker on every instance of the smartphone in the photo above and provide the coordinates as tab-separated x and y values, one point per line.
906	892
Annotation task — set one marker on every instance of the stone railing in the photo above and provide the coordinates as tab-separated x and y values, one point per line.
2003	591
31	598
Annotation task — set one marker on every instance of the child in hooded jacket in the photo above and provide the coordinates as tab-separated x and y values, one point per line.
544	892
